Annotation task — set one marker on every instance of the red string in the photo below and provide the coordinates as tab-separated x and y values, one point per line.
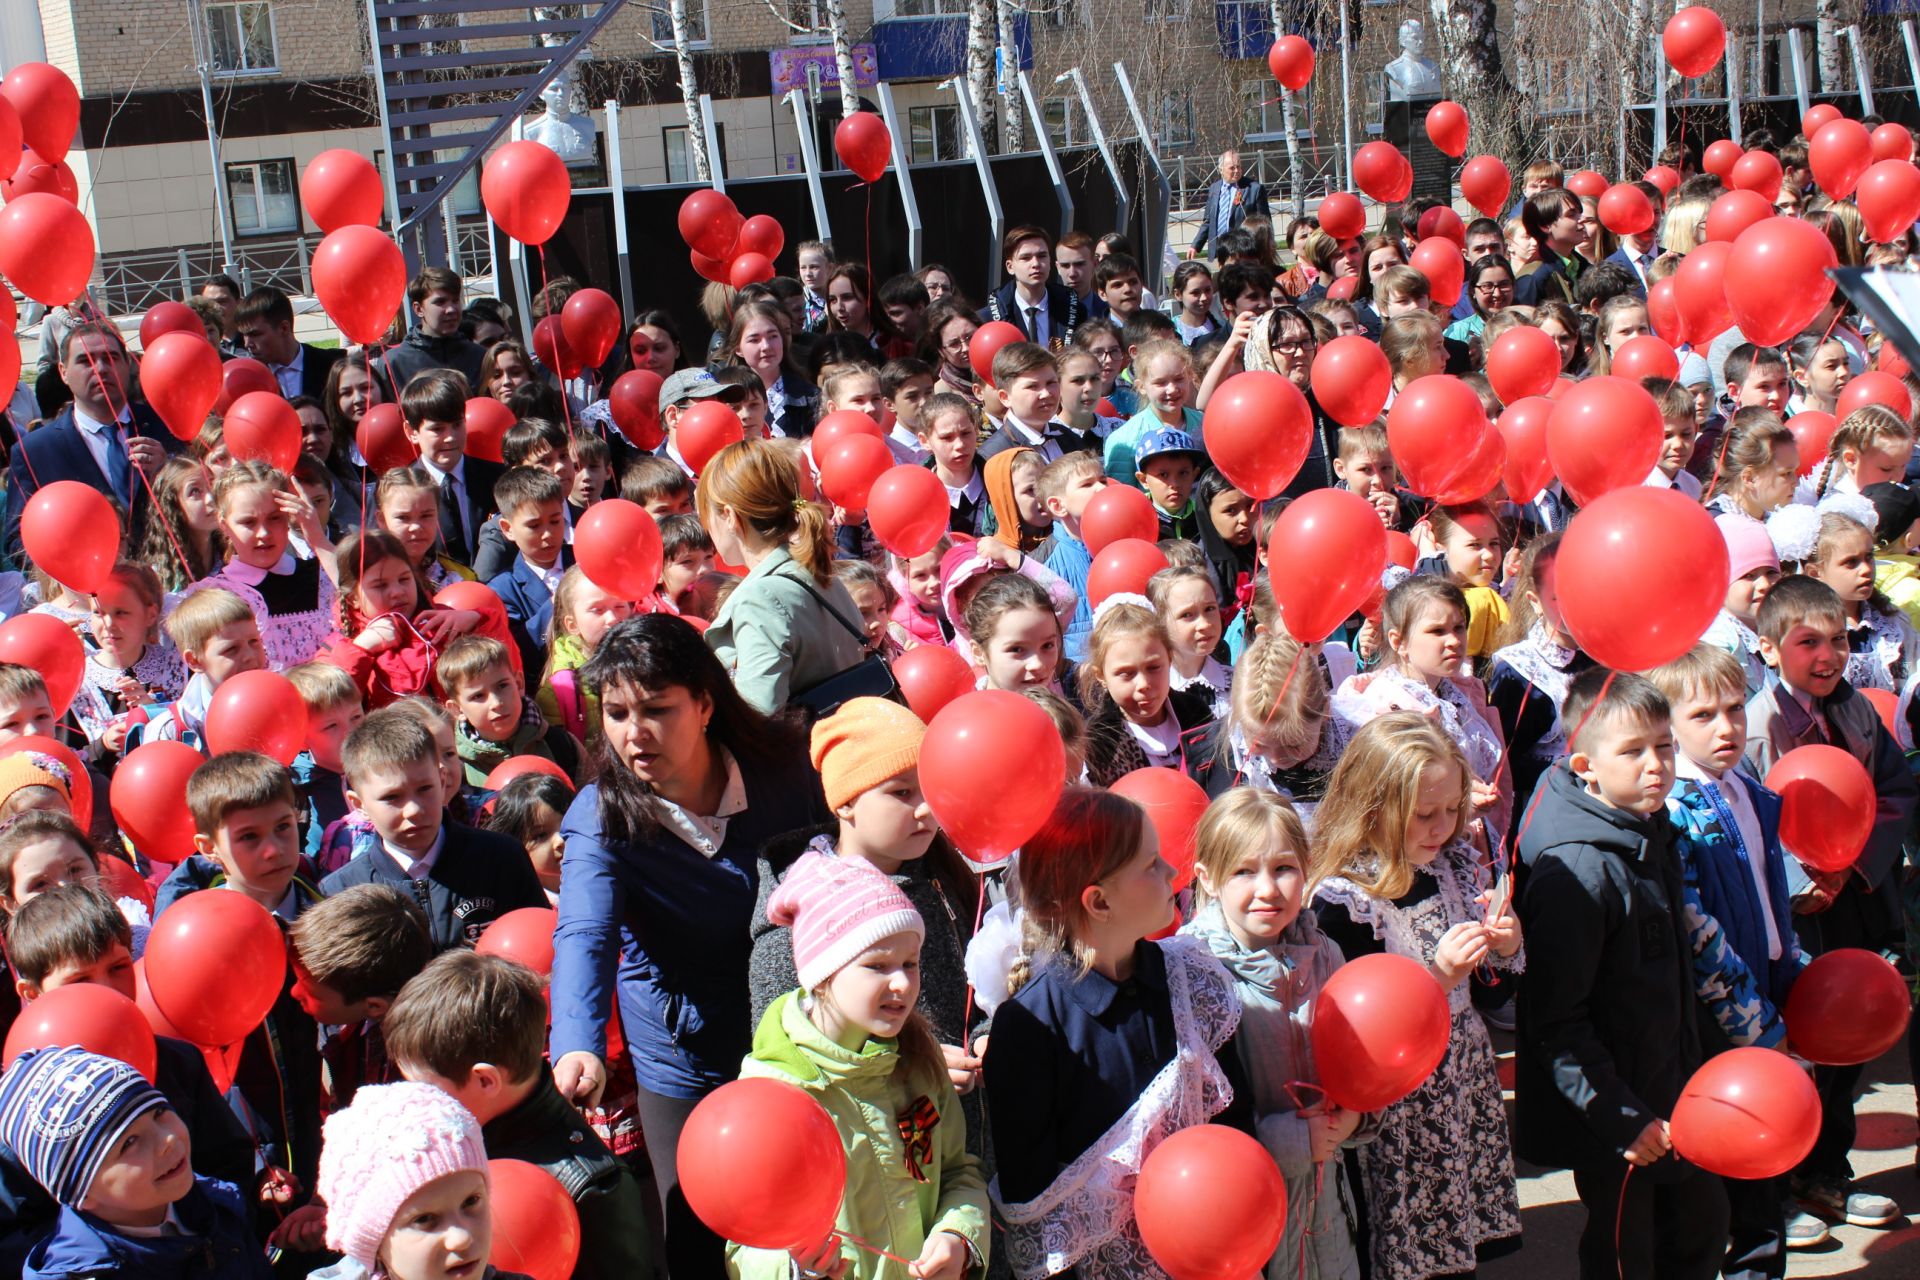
1619	1220
979	914
566	410
870	1247
1280	697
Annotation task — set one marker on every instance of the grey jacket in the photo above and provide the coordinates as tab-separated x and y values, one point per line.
776	638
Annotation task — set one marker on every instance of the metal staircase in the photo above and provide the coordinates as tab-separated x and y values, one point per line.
453	77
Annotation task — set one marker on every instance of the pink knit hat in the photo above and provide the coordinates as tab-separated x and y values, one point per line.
838	909
393	1140
1748	545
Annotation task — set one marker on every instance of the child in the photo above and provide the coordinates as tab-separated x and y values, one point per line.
532	515
475	1027
408	503
110	1149
1250	869
876	600
496	719
659	485
1015	513
1165	384
465	878
1366	467
686	552
433	416
1392	871
1608	1001
1117	280
1757	376
183	508
1169	461
1066	487
906	385
246	837
390	632
351	955
582	615
44	849
1676	446
529	809
444	726
1820	371
969	566
1015	636
1134	717
1106	1041
751	406
218	638
132	664
592	470
1754	568
1469	537
1619	320
1081	397
1872	445
851	1037
1881	643
1226	537
949	431
1189	605
292	599
1278	732
1528	680
1193	291
334	710
1026	388
920	617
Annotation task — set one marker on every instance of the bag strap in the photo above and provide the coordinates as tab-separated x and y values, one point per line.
859	633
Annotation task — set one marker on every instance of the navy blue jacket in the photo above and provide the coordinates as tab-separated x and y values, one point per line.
1064	312
529	607
220	1244
57	451
478	877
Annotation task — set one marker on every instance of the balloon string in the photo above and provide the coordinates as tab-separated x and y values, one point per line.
1279	698
870	1247
566	410
1619	1220
979	914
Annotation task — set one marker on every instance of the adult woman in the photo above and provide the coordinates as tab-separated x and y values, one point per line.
939	282
944	345
757	339
1379	253
504	369
659	887
1298	278
1489	287
1596	244
318	441
653	342
849	295
1283	342
777	633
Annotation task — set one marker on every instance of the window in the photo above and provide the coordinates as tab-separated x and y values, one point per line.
263	197
663	23
1062	116
1176	120
807	18
680	155
241	36
1263	114
933	133
929	8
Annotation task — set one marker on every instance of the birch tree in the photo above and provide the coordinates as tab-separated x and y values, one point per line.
835	12
1011	118
689	89
1296	191
981	38
1470	49
1826	39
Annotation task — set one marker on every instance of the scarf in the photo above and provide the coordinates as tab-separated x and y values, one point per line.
998	474
482	756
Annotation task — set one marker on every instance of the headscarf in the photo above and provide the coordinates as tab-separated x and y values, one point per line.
1006	511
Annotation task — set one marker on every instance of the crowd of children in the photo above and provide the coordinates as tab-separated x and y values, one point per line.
713	790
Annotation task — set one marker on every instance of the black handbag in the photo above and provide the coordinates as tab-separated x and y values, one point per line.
871	677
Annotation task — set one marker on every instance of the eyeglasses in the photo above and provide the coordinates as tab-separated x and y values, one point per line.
1494	286
1293	346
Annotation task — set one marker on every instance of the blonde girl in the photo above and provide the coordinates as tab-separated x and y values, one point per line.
1250	870
1820	371
1069	1136
1755	466
1015	635
1189	604
1470	538
582	616
183	517
1538	656
1620	320
1134	716
1163	379
1843	558
133	663
1391	871
1872	445
292	599
407	501
1279	733
390	633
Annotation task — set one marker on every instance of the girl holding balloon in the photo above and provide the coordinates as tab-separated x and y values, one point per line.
1279	734
582	615
387	641
132	663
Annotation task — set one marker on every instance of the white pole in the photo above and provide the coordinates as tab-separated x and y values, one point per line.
1346	97
617	186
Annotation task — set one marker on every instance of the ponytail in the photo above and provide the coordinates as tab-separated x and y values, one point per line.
760	482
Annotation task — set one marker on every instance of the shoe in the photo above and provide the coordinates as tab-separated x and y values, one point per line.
1804	1231
1836	1200
1500	1017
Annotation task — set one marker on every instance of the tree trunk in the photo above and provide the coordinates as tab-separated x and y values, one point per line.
980	43
842	56
1011	118
1470	51
1296	181
1826	38
689	89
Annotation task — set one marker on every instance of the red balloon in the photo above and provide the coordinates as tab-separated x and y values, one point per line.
863	144
1118	511
1336	547
1400	549
1888	197
1847	1007
258	711
1758	172
1625	210
1341	290
1522	362
1380	1027
841	423
749	268
1352	380
148	796
96	1018
1818	117
70	531
215	963
1654	546
488	422
1439	260
761	234
1748	1113
1874	387
1693	40
341	188
1447	127
1646	357
987	811
1258	431
1175	804
1434	425
1734	211
1210	1203
718	270
49	177
1813	432
590	321
1891	142
1699	286
239	376
1826	806
1524	429
1663	310
551	348
1585	182
515	766
1291	61
80	789
1838	155
1444	222
1884	701
1342	216
50	647
1720	157
617	545
524	936
906	511
1123	565
765	1194
169	317
526	190
1382	172
635	401
1603	435
48	107
705	428
382	439
11	142
536	1225
849	467
1665	177
46	247
930	676
1476	475
1485	183
262	426
360	277
709	223
986	343
1777	279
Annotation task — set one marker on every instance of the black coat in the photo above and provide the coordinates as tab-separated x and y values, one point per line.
1064	312
478	877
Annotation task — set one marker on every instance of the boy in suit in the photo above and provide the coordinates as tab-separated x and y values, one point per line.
532	505
433	414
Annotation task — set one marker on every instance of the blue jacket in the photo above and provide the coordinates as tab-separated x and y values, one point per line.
665	928
1071	560
529	607
58	451
220	1244
478	877
323	800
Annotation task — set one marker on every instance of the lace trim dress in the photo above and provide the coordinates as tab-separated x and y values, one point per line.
295	611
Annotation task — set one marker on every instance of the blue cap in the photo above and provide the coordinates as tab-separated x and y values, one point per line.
1165	440
63	1112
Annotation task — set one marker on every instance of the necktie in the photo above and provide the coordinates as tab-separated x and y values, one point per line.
1033	324
453	526
1550	502
1227	198
119	470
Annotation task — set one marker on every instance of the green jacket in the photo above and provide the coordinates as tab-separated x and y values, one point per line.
569	654
776	639
868	1098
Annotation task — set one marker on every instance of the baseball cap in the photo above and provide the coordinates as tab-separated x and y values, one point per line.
695	384
1164	440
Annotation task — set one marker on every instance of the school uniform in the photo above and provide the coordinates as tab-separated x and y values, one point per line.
293	604
527	592
466	881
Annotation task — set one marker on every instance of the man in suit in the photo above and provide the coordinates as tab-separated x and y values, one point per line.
433	414
99	438
1045	311
1231	199
265	324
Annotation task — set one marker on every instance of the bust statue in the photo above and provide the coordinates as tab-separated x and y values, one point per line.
1410	75
569	133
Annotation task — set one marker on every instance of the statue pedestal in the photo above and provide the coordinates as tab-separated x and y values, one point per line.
1404	124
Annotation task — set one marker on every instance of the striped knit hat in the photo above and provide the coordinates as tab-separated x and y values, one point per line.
838	909
63	1111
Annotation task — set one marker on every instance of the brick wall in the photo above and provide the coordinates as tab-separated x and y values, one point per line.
117	46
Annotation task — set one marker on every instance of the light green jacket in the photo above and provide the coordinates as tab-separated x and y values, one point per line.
776	639
867	1096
